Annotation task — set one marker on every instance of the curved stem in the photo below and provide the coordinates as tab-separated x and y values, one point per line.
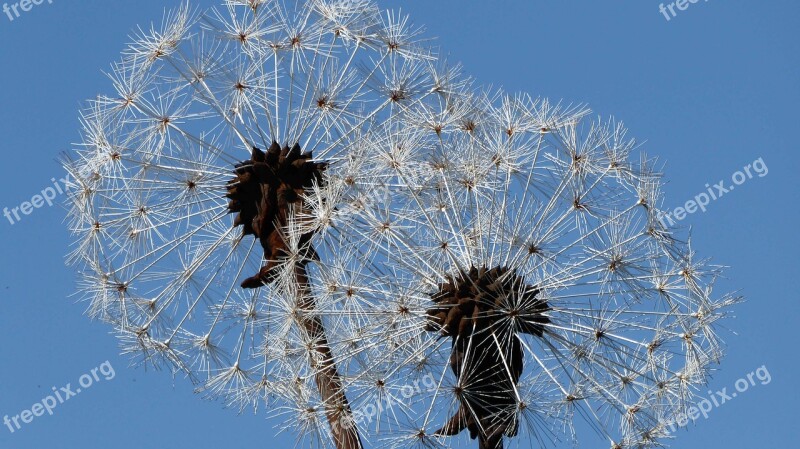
337	408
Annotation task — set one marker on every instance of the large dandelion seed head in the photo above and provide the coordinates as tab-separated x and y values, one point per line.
225	158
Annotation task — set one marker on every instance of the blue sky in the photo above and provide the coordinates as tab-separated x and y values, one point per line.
710	91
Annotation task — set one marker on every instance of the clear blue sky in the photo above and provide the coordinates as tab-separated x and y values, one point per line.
710	91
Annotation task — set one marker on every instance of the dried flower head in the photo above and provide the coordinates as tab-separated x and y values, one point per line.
538	282
211	186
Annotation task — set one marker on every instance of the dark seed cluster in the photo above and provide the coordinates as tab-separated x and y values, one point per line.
482	310
261	194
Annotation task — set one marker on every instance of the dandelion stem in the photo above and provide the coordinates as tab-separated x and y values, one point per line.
337	408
